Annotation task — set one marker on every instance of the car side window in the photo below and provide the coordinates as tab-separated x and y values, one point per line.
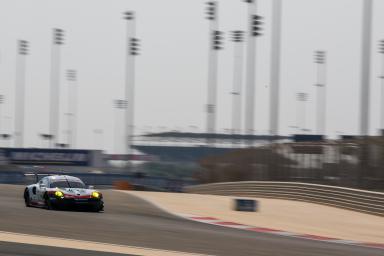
48	183
44	181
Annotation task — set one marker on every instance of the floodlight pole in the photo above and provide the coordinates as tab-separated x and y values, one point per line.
214	46
131	53
118	105
301	111
22	52
54	110
72	107
365	66
238	39
1	116
320	61
275	68
251	70
381	51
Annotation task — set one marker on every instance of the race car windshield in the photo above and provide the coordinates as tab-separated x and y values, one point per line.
67	184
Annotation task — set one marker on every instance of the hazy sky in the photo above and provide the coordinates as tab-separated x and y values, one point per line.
172	69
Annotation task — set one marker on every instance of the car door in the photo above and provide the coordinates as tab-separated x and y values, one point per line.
33	192
41	188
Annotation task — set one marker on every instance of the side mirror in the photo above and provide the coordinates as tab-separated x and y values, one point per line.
91	187
42	186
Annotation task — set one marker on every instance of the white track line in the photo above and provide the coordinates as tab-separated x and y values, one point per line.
87	245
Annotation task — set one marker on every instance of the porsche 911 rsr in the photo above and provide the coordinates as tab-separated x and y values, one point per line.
62	191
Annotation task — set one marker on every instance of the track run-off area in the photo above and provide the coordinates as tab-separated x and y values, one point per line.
289	217
132	226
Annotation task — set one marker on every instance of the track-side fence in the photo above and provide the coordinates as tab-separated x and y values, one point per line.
352	199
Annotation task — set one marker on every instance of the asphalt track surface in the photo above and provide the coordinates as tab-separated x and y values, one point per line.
128	220
16	249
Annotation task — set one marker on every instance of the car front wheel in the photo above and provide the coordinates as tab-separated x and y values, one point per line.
97	208
48	203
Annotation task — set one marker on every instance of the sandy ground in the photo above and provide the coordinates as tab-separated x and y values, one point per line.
284	215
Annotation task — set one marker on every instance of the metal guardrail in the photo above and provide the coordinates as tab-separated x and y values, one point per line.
351	199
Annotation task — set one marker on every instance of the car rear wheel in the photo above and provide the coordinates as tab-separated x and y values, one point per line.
27	200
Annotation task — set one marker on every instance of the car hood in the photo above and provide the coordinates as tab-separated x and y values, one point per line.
77	191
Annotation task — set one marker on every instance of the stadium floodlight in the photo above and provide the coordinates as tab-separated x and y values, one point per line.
129	15
256	25
120	104
211	10
320	57
134	46
237	36
23	47
71	75
58	37
217	40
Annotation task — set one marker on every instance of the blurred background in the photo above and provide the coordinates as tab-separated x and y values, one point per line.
170	93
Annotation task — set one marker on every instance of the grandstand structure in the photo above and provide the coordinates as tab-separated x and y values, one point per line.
176	146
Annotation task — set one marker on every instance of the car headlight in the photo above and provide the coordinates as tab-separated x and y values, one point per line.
59	194
96	195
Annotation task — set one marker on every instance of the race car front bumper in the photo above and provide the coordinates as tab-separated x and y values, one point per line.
92	203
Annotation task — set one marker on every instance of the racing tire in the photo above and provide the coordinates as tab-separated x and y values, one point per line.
27	199
97	208
48	204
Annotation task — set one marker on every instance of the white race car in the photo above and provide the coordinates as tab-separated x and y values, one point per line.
62	191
